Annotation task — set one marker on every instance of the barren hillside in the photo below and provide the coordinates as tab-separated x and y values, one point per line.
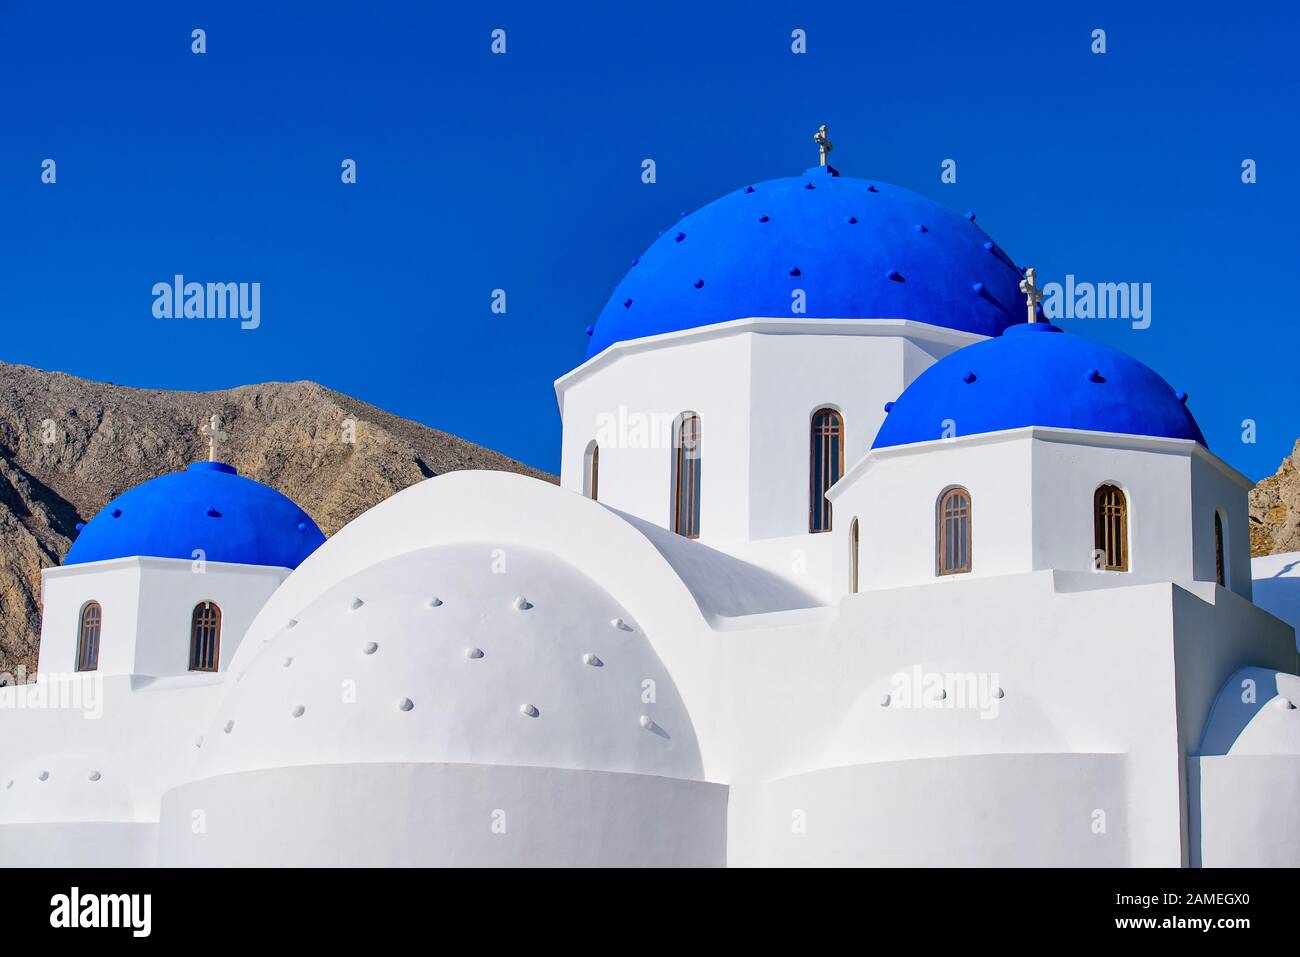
68	445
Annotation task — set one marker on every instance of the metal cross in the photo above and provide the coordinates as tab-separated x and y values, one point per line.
823	144
212	429
1033	295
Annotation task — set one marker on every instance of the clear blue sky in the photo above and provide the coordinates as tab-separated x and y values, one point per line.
522	172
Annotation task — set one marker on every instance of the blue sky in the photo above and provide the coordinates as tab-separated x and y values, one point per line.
522	172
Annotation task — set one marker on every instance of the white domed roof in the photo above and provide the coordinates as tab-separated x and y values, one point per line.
65	788
1256	712
476	653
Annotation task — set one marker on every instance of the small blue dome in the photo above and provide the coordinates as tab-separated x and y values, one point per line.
858	249
209	507
1034	374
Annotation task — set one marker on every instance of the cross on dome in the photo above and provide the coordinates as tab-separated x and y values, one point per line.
823	144
212	429
1033	295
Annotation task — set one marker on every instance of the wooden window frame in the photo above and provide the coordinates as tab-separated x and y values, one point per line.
687	471
945	518
207	644
1110	534
825	464
90	628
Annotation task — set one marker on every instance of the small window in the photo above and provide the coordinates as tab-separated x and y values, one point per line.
1110	529
88	630
825	466
954	532
1220	571
686	476
853	557
205	637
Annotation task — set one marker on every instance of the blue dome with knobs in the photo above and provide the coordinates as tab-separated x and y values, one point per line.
208	507
1035	374
858	249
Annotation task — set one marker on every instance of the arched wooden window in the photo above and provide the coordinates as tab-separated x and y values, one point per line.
592	480
205	636
853	557
686	476
953	532
825	466
1110	529
89	627
1220	570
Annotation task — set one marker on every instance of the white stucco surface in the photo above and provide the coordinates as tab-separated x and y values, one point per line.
147	604
476	653
444	815
1276	584
755	384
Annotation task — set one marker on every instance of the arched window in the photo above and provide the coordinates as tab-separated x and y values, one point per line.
88	629
953	532
205	636
591	471
825	466
1110	529
853	557
1220	570
686	476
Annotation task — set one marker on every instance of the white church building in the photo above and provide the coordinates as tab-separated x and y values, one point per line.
852	562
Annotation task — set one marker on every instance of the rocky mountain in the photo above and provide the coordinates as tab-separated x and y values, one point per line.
1275	509
68	445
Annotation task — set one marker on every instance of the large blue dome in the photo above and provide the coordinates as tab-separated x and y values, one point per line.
859	250
1034	374
208	507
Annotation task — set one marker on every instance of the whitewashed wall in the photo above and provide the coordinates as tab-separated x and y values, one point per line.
894	495
1275	585
445	815
1103	680
1032	506
86	761
1216	487
755	384
66	590
147	604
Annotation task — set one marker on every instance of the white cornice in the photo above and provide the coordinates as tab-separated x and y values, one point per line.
902	328
146	561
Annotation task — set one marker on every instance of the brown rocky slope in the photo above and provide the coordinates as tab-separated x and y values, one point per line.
1275	509
68	445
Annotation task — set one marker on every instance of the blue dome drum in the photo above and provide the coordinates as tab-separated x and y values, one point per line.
857	249
1034	374
209	509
